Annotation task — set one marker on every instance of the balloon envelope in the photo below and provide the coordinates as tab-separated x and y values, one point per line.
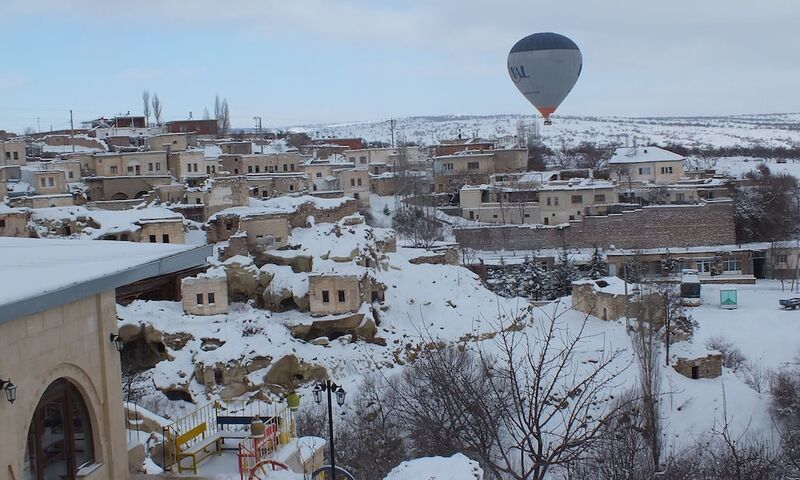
545	67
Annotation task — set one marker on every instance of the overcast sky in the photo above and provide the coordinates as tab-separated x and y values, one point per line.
304	61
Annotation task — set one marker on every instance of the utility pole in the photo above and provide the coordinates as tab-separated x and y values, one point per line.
71	131
260	135
38	125
3	142
391	127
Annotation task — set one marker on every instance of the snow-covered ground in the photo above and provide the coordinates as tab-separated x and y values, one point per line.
771	130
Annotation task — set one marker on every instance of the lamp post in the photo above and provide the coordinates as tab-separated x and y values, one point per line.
331	388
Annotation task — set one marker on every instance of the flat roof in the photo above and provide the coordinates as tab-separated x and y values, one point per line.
40	274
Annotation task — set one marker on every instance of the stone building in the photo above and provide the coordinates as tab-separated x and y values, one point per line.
13	153
14	222
171	142
265	228
206	293
240	164
603	298
162	230
57	326
634	166
333	294
268	185
696	362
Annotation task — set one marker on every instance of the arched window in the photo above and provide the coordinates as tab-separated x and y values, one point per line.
60	435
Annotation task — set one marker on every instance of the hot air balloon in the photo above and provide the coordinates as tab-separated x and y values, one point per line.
545	67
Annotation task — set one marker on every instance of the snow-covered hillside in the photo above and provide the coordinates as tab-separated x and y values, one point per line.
768	130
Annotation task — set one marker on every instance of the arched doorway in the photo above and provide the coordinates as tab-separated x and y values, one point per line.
60	439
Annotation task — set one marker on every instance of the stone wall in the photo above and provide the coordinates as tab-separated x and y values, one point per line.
648	227
299	218
69	342
709	366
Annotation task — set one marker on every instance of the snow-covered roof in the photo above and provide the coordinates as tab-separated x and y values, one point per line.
609	285
643	155
457	467
576	184
45	273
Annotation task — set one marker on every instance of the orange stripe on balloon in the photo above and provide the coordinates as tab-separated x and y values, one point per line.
546	111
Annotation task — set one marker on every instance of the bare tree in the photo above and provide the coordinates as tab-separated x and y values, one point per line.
531	408
218	113
157	108
645	345
146	104
226	118
206	116
419	225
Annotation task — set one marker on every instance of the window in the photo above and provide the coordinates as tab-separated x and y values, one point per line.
3	223
555	201
494	215
43	181
680	197
285	168
291	188
352	182
264	194
258	168
362	159
340	295
783	258
60	439
208	170
731	265
359	182
356	195
645	171
271	169
319	175
326	296
211	298
16	155
249	169
548	201
577	199
705	265
50	181
353	159
71	175
546	221
278	239
666	169
236	171
152	239
199	299
291	167
165	238
113	169
150	167
473	165
600	198
130	168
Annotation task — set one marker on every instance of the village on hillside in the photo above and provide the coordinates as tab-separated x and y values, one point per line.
213	283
